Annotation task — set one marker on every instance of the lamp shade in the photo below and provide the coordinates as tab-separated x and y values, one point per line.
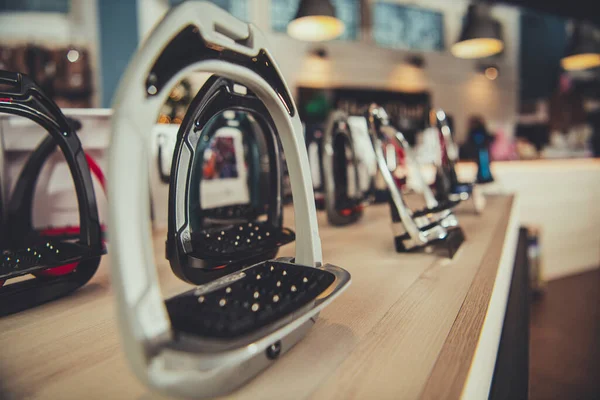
315	21
583	49
481	35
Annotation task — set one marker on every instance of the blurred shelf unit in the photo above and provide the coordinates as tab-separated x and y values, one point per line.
20	134
63	72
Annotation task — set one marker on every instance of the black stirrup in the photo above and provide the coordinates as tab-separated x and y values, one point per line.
344	197
206	243
313	135
26	250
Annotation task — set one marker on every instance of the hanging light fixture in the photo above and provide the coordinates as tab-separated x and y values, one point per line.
315	21
481	35
583	49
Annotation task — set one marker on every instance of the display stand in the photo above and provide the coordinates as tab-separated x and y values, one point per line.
412	325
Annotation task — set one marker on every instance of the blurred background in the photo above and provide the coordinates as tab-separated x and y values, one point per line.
529	99
526	72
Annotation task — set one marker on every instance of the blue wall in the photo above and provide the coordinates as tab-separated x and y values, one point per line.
118	42
59	6
543	42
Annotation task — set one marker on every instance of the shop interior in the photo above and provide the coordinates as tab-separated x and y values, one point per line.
436	161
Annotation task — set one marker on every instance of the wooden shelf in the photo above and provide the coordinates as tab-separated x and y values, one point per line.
410	326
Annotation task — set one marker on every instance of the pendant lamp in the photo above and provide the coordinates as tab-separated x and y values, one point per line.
583	49
315	21
481	35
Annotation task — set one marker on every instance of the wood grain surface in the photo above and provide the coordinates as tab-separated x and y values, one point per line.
452	367
384	338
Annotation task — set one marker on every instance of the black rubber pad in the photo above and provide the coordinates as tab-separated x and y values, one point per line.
240	239
268	292
52	253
